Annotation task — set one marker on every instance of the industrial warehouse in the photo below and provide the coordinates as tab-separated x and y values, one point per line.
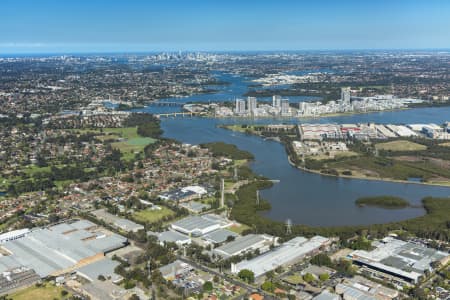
288	253
398	260
200	225
365	131
247	243
56	250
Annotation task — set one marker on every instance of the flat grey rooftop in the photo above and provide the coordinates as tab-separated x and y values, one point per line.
171	237
52	249
240	244
193	223
219	235
103	267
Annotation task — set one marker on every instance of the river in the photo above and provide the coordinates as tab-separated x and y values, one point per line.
303	197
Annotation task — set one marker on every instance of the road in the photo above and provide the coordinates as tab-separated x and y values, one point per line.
226	277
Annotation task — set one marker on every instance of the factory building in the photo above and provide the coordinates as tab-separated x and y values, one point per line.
118	222
400	261
358	287
200	225
60	248
13	235
171	236
184	194
219	236
244	244
288	253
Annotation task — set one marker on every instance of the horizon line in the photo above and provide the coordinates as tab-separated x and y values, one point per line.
75	52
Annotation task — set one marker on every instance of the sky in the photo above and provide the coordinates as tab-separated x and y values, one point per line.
60	26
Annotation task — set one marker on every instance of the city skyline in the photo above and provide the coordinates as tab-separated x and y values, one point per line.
118	26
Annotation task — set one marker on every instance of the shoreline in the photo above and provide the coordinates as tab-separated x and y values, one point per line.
365	178
341	176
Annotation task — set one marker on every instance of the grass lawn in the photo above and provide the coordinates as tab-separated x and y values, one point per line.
33	169
387	168
336	155
239	229
207	200
130	141
229	185
400	146
104	133
240	162
60	184
133	145
152	216
294	279
4	183
45	292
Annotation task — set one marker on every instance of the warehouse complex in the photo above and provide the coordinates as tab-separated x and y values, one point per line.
393	258
118	222
288	253
58	249
364	131
244	244
200	225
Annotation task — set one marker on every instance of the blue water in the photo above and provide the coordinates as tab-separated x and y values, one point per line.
237	88
303	197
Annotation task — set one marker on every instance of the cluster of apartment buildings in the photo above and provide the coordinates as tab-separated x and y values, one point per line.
250	107
346	104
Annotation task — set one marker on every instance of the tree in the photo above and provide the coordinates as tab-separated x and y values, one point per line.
230	238
435	264
268	286
134	297
419	293
324	277
129	284
321	260
246	275
208	286
270	275
101	277
308	277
